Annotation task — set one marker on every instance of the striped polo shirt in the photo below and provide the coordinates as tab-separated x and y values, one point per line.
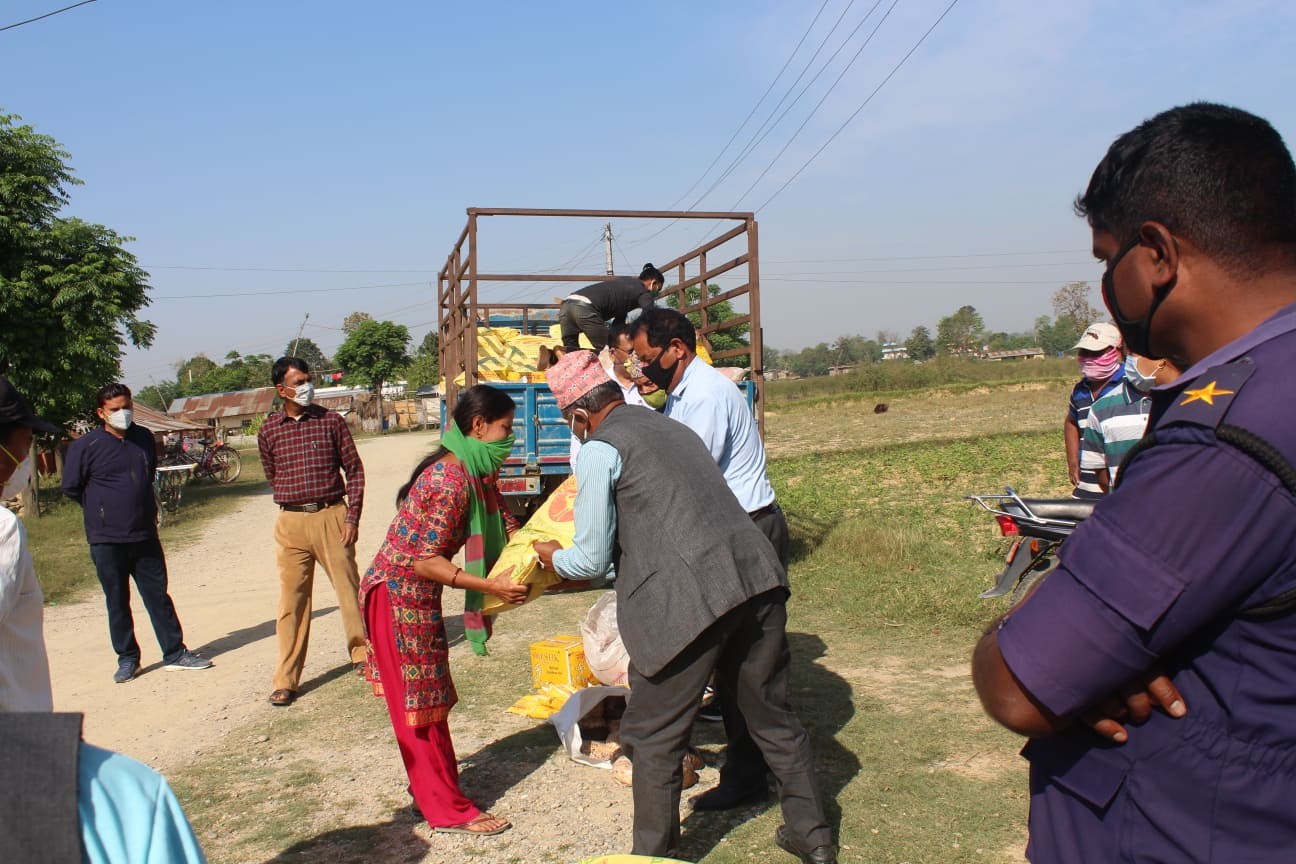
1115	423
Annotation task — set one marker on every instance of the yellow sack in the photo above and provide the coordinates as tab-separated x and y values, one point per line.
555	520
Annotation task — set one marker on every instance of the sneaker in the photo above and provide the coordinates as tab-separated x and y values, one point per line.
710	710
126	670
188	660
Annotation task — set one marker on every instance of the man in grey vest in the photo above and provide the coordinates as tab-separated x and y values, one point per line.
699	588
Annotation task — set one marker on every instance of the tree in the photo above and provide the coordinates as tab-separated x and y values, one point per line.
306	349
240	372
1056	337
354	320
960	333
919	346
373	351
1072	301
70	293
424	370
721	340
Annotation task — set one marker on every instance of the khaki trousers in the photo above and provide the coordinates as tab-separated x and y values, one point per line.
303	539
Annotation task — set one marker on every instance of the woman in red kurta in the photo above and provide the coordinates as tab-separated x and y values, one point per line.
451	500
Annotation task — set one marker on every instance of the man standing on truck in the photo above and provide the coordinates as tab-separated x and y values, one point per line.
305	449
707	402
590	309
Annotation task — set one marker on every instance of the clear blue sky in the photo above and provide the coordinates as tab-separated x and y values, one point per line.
272	138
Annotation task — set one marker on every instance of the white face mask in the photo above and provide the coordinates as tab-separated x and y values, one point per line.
17	482
304	393
120	419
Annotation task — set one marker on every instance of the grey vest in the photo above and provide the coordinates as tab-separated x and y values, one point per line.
686	551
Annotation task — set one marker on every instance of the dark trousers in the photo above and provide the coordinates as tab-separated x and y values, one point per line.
743	766
748	649
575	318
116	564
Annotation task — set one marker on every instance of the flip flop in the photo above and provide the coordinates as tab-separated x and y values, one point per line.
463	827
283	698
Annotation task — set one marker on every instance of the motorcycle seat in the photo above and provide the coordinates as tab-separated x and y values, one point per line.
1060	508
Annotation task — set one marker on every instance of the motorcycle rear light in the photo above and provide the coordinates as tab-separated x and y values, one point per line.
1007	525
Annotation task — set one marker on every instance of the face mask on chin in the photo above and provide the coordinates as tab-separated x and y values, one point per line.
17	481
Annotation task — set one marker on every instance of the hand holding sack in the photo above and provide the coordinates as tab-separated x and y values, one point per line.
555	520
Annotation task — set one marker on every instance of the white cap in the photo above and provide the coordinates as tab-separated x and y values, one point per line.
1098	337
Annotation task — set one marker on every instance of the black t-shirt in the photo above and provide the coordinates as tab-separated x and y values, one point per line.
616	298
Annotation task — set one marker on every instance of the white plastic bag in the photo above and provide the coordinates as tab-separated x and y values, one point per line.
606	656
567	720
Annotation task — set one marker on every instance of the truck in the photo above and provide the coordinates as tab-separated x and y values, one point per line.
470	299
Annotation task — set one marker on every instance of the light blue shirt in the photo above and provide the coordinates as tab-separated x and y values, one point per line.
597	473
712	406
128	813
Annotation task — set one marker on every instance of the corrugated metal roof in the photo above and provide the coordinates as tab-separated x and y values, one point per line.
237	403
156	421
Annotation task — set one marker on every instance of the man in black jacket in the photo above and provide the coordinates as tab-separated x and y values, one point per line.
589	309
109	472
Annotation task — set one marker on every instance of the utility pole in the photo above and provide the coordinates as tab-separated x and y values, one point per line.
607	247
299	334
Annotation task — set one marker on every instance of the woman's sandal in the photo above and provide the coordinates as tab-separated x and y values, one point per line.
483	819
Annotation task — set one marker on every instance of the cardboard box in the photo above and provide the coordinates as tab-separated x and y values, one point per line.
560	660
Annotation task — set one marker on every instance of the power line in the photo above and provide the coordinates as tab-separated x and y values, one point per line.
924	257
46	15
755	107
939	269
805	280
287	269
757	141
746	148
288	291
856	112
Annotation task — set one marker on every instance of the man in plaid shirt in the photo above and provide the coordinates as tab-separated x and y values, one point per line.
302	449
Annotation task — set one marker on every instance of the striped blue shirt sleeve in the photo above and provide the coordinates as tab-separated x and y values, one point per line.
597	473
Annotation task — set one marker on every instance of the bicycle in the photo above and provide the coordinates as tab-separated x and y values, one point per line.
219	462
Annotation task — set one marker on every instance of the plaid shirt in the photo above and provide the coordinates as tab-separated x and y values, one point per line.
301	459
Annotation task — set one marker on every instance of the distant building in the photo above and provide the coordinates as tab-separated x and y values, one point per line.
892	351
230	412
842	370
1014	354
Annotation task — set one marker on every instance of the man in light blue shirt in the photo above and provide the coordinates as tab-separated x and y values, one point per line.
707	402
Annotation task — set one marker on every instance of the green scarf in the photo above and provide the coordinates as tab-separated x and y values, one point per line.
486	536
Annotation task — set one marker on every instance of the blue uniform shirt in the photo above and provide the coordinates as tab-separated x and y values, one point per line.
1196	532
708	403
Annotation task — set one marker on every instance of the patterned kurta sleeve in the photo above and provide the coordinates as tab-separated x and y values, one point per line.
432	520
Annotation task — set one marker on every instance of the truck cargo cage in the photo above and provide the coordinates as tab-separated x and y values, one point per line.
542	439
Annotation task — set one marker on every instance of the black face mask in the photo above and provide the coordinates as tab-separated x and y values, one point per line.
1136	332
657	375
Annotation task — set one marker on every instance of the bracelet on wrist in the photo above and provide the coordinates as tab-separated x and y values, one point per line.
454	579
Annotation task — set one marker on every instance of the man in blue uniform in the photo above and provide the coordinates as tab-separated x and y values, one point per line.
1174	609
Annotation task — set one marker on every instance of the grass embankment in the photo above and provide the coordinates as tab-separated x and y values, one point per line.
886	379
58	542
888	560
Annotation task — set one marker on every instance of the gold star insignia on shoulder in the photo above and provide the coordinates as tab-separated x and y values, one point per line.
1205	394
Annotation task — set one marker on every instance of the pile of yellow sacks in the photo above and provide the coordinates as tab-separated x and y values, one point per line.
544	704
506	354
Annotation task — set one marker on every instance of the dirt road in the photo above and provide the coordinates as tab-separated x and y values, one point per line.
225	588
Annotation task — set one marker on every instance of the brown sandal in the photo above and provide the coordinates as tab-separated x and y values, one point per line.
283	698
467	827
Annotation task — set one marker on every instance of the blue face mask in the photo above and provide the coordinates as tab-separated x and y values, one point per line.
1142	383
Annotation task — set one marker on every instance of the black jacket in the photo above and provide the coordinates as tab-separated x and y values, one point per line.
617	298
113	480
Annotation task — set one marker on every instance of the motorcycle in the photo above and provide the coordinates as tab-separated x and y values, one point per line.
1038	527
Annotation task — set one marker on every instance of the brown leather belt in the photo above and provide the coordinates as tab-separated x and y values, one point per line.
314	507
